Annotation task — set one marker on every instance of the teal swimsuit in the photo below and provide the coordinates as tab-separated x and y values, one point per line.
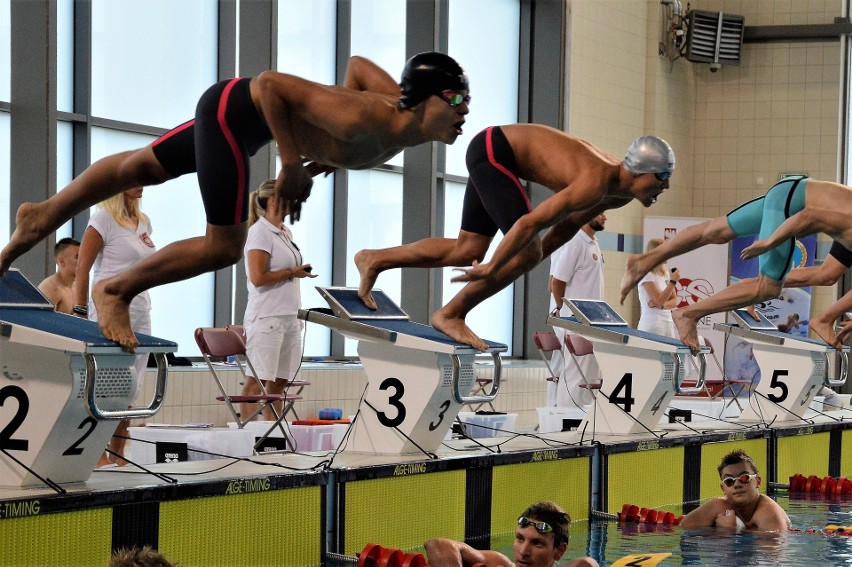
763	215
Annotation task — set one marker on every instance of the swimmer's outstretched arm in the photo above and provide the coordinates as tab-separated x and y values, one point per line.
450	553
805	222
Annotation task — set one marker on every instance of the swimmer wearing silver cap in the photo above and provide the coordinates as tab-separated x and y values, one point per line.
585	182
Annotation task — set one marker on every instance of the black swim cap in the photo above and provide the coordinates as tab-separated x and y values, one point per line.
427	74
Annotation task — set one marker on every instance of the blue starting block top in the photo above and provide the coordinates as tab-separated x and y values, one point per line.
389	322
22	304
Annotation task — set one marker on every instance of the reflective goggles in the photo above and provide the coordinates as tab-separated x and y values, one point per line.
540	527
454	99
663	175
744	478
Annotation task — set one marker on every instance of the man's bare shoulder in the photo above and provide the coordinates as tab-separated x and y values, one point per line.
48	285
769	515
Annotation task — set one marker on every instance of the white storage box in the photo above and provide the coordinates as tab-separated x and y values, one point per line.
169	444
300	438
318	437
485	425
555	419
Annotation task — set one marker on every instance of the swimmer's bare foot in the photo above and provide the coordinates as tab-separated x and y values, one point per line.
457	330
30	228
825	331
114	317
688	331
368	277
634	272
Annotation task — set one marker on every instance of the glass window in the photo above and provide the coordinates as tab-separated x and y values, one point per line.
65	56
306	48
64	166
374	221
152	59
307	30
176	213
476	49
5	52
491	319
378	33
5	188
493	88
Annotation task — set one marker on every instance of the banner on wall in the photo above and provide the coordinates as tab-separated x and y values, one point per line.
790	311
701	273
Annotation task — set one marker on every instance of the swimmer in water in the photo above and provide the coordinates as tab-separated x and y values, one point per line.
742	506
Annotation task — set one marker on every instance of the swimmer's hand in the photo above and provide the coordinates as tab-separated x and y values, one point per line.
315	168
757	248
478	271
726	519
294	187
842	334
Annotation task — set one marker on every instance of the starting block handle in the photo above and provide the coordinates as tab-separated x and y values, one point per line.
132	413
844	370
495	382
680	374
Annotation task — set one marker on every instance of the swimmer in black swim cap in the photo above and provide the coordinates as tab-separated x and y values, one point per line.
432	73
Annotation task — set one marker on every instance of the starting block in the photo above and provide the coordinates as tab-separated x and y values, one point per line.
63	388
417	377
792	369
641	371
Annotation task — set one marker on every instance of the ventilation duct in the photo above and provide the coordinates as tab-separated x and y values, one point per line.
715	38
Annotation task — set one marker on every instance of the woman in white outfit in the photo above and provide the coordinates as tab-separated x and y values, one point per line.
274	266
657	298
118	236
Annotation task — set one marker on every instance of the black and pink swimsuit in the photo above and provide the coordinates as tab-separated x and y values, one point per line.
494	198
227	130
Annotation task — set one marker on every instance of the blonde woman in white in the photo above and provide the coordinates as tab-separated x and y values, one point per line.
657	298
274	267
118	236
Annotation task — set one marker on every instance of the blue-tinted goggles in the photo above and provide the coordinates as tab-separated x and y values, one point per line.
540	527
663	175
744	478
454	99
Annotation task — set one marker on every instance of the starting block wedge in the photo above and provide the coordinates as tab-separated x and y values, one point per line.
792	368
63	388
641	371
417	377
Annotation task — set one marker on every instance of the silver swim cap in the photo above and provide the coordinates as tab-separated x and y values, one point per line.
649	154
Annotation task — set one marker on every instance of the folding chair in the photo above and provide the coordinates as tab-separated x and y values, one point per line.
577	347
217	342
735	386
298	384
547	342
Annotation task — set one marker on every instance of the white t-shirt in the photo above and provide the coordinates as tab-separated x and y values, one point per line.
284	297
122	248
578	263
651	314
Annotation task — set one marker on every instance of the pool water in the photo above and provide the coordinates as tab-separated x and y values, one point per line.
609	541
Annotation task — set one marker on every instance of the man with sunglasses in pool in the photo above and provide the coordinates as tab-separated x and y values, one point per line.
541	538
742	506
585	182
